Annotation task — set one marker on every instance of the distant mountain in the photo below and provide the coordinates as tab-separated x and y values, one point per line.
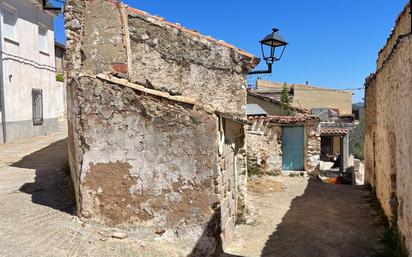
358	105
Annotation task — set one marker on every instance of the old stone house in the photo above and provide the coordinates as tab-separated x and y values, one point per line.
28	106
388	121
332	107
277	142
156	124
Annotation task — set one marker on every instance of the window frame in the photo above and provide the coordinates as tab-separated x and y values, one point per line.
12	10
41	27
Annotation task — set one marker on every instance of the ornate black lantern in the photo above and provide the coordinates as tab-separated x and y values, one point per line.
273	46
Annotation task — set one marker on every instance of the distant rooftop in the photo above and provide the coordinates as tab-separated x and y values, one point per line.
263	86
255	109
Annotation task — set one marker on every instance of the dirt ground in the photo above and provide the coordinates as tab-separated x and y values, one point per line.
302	217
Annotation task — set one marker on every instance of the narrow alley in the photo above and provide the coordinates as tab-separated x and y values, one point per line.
295	216
128	134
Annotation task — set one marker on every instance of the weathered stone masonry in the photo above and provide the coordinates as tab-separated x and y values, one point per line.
388	122
264	142
163	148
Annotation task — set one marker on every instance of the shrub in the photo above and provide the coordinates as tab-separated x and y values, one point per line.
59	77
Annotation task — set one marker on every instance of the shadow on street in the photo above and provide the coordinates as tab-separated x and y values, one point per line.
326	221
52	183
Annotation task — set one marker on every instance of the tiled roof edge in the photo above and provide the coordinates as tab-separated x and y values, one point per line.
260	96
279	119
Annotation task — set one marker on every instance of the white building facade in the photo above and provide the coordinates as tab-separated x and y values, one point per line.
28	104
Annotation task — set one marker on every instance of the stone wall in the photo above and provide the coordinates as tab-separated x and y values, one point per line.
160	50
230	132
148	163
388	120
264	144
264	148
164	153
312	144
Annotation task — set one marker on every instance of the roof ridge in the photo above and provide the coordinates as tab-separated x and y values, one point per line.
193	33
273	100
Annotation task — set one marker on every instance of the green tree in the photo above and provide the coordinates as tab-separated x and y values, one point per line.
285	100
358	136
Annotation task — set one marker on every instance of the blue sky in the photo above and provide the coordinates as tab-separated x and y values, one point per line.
333	43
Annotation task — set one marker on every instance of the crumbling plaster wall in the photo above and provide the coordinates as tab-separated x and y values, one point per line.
264	144
89	50
165	153
149	163
142	160
169	59
388	120
403	26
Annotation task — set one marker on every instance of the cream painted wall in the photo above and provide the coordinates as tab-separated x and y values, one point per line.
336	144
25	67
309	97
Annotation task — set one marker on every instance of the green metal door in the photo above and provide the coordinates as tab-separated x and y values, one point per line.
293	148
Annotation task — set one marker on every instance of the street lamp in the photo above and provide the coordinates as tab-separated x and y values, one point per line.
271	45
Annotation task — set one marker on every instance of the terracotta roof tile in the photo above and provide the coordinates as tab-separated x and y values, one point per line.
298	118
333	131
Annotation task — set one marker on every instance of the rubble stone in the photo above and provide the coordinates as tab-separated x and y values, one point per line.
164	153
264	142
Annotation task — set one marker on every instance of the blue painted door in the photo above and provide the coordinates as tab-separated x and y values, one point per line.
293	148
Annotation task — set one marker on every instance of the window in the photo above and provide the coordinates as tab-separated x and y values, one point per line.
9	24
37	105
43	39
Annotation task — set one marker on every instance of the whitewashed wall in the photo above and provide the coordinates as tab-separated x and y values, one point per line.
26	67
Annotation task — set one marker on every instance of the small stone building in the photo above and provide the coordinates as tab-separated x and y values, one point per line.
333	125
278	143
156	124
388	122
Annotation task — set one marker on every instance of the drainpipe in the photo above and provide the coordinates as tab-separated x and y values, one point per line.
2	91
